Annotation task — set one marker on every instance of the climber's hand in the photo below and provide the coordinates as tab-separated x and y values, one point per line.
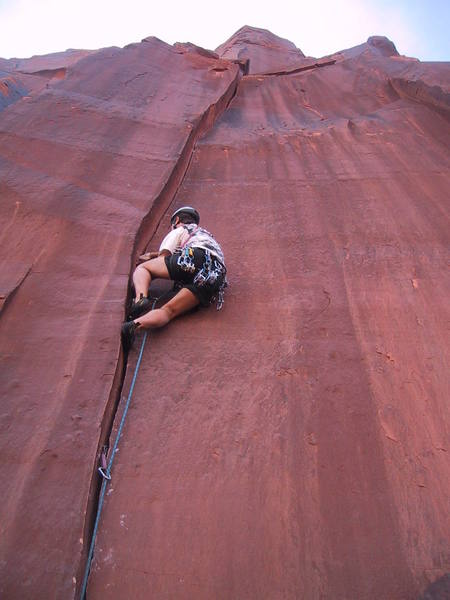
148	256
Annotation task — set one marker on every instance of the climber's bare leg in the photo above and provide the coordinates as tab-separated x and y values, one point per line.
185	300
145	272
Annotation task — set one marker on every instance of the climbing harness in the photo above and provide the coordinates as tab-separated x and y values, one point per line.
105	467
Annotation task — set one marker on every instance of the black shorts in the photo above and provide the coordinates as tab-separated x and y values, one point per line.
206	292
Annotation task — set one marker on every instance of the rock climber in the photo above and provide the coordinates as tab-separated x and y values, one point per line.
191	257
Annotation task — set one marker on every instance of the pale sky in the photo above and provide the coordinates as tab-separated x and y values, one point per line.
418	28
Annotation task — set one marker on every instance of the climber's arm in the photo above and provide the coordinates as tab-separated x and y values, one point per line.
150	255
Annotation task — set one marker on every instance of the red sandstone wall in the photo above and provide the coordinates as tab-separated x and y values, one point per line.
82	163
293	446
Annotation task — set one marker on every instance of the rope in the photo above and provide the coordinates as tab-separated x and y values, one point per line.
107	475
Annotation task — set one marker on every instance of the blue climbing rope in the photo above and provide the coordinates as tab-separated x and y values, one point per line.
107	474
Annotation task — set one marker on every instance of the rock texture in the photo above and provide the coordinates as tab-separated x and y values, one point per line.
263	50
294	445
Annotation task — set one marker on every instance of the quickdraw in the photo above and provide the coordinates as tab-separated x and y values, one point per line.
210	272
221	294
186	260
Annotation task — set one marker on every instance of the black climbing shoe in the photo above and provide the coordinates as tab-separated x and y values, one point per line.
127	334
142	306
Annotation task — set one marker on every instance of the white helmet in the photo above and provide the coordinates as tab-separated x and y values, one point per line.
186	209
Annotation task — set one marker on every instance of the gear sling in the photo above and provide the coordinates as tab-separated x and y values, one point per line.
211	270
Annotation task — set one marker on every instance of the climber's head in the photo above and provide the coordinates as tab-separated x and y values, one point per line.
185	215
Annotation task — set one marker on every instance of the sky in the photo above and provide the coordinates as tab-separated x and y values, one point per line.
418	28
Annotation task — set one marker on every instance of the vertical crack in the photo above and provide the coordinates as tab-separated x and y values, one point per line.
166	197
146	231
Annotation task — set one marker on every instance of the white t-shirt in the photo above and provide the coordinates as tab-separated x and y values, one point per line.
193	236
174	240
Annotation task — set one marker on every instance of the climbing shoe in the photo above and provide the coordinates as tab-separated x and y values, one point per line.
142	306
127	334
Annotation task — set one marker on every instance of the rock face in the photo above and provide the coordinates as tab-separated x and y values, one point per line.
294	445
263	50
